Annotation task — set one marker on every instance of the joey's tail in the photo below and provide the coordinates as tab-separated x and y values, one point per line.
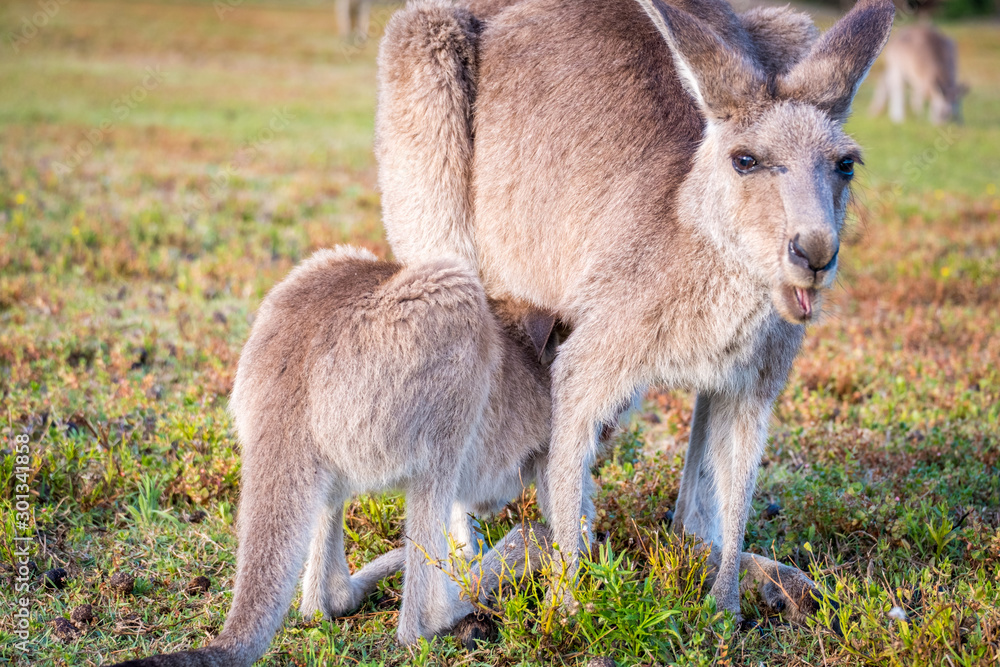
427	68
363	581
279	500
205	657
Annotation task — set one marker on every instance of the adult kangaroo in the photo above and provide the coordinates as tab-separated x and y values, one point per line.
670	179
926	60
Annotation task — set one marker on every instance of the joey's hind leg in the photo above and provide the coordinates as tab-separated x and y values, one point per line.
463	532
519	554
326	585
274	528
430	597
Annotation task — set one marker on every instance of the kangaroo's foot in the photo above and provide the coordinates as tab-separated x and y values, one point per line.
475	628
783	588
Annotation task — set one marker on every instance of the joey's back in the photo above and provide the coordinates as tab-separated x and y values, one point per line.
270	388
378	361
385	364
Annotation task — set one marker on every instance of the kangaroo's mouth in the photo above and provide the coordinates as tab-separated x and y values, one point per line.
804	301
798	305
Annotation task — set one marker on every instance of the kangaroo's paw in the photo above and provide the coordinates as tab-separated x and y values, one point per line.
475	628
727	598
784	589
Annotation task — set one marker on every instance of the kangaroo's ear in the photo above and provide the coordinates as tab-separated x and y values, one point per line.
829	76
781	36
720	76
540	326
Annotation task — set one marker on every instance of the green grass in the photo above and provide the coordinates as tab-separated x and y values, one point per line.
128	283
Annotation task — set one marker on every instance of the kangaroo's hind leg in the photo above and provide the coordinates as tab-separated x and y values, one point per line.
430	597
879	97
896	87
328	585
342	12
364	20
522	552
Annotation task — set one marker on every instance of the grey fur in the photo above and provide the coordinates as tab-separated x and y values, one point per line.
602	187
362	376
430	208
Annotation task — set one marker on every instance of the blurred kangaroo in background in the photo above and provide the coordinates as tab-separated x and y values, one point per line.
362	18
670	179
924	59
362	376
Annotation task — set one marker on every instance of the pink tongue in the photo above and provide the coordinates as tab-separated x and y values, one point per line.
804	301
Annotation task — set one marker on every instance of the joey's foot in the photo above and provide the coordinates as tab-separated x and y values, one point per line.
475	628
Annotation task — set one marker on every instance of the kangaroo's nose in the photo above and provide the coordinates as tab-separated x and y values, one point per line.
812	253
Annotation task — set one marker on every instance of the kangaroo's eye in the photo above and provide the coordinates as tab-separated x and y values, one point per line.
744	163
846	167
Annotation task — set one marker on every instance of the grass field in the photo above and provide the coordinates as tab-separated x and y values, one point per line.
162	166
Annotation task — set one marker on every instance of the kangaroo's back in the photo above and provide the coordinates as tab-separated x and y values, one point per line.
600	119
316	297
583	133
362	352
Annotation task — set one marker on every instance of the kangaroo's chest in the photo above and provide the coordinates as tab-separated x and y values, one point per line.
714	338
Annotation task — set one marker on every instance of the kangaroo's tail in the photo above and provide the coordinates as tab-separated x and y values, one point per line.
427	67
389	563
279	499
204	657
